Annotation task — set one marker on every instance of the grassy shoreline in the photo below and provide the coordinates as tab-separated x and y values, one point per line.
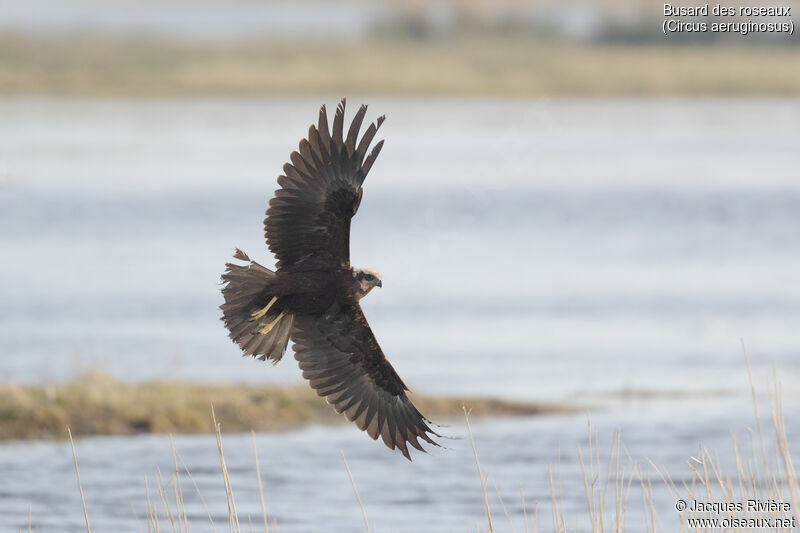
515	65
99	404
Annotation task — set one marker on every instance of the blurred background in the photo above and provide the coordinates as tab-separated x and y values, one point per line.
571	208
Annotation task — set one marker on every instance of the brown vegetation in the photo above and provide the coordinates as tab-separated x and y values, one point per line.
98	404
513	65
764	472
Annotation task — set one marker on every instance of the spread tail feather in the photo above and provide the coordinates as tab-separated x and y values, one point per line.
253	315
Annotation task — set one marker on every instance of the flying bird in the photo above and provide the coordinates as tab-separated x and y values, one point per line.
312	297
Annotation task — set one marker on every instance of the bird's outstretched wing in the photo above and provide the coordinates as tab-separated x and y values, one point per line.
308	221
343	362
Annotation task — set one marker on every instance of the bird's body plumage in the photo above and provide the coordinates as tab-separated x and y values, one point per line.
313	296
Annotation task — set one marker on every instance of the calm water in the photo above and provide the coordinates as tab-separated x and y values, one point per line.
593	253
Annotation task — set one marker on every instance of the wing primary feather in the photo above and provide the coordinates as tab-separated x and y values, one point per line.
371	426
361	420
361	408
293	177
412	438
351	403
400	441
423	432
300	164
370	160
338	123
398	426
350	411
405	417
305	152
355	126
363	144
318	153
324	131
381	416
388	426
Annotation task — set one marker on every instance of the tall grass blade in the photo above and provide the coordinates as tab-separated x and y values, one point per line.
233	516
78	476
480	474
355	490
260	484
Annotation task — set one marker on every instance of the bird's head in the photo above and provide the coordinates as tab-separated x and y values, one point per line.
366	280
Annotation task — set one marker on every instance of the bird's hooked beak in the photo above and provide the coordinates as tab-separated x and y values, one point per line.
379	283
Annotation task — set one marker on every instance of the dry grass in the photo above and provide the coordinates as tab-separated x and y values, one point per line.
514	65
98	404
765	473
480	474
355	491
78	477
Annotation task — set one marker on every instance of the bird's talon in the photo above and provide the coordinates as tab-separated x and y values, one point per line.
261	312
267	327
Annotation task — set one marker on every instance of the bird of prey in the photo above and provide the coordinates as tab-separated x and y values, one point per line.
313	295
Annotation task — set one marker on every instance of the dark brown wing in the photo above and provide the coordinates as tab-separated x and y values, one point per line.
343	362
308	221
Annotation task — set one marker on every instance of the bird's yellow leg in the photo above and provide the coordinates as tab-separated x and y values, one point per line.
261	312
266	328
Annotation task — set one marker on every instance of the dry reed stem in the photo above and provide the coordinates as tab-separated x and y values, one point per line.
78	476
648	506
553	502
706	473
560	488
355	490
152	513
179	505
233	516
162	494
524	510
653	520
138	520
613	466
622	492
783	448
199	494
480	474
759	477
586	490
260	485
503	506
755	407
